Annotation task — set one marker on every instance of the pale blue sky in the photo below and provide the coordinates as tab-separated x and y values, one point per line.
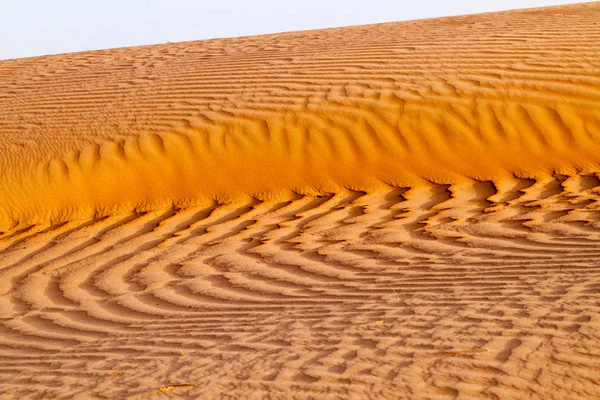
37	27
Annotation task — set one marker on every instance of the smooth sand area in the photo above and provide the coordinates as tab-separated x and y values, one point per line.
403	210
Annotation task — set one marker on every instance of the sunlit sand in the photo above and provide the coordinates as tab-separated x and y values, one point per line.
404	210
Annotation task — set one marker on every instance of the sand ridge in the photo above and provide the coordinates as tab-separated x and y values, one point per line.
405	210
105	132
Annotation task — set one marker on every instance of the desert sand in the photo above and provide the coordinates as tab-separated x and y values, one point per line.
401	210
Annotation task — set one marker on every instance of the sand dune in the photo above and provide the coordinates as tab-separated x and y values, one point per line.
405	210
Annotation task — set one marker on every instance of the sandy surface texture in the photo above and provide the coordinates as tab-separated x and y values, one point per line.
404	211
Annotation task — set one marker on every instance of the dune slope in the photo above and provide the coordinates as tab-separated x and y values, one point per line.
405	210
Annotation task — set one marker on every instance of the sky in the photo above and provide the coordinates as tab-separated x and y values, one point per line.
39	27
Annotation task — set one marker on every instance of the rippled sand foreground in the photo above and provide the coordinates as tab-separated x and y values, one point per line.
405	210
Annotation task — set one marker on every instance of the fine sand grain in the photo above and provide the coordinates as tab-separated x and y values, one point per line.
404	210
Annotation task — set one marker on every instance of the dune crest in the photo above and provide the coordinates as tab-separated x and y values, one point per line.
405	210
369	108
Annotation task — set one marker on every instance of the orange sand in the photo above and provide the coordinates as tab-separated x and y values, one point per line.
405	210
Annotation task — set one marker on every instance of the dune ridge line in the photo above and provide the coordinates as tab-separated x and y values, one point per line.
394	211
368	108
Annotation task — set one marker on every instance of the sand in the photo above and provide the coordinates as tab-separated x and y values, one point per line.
404	210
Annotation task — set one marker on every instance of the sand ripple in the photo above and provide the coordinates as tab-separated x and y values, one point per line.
393	211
